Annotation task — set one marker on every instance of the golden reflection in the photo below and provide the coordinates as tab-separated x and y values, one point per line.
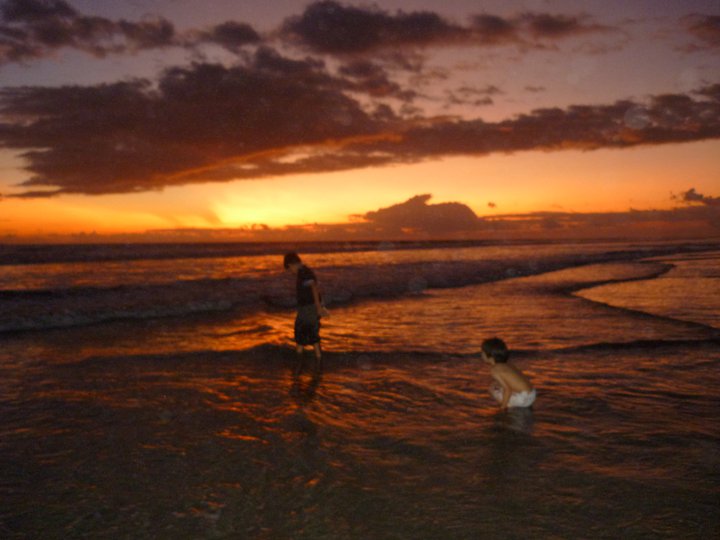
304	389
517	419
231	434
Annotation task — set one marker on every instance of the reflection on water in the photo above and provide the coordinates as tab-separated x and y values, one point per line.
378	445
518	419
690	291
304	388
168	429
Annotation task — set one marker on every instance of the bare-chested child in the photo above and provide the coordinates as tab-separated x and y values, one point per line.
511	388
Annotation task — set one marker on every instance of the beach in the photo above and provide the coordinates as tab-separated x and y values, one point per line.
156	398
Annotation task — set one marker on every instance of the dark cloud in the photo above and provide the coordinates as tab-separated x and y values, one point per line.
665	119
692	196
417	216
35	10
492	30
231	35
331	27
205	122
706	28
691	221
473	96
272	116
147	34
372	79
35	28
535	89
543	25
31	29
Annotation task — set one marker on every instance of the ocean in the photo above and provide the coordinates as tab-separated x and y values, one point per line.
148	391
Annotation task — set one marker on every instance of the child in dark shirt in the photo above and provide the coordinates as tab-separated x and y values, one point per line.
309	306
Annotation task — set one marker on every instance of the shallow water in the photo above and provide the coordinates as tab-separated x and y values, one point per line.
380	446
689	291
195	427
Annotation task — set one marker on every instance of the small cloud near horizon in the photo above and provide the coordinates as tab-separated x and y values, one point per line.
691	196
416	215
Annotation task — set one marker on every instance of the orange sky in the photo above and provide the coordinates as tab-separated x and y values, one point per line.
574	181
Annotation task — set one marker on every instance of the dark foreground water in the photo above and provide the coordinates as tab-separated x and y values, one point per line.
194	426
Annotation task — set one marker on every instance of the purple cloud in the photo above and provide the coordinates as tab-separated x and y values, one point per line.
546	26
705	28
231	35
372	79
35	10
32	29
333	28
271	116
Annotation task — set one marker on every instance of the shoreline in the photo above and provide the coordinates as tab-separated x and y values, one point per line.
46	309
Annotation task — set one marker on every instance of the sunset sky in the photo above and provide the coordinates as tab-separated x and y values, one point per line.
275	120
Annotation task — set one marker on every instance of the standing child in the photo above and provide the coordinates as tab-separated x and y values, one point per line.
309	306
511	388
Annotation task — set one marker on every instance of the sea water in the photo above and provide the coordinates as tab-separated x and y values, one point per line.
148	392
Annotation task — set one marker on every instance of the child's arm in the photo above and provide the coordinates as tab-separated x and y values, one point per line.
507	392
318	305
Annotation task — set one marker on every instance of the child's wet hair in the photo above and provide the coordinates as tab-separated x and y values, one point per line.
496	349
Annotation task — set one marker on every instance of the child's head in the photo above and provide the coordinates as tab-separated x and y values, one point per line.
291	261
495	349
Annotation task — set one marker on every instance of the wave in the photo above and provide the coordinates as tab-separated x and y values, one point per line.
12	254
647	314
38	254
39	309
61	308
666	298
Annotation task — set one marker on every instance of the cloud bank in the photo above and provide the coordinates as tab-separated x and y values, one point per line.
35	29
273	115
332	28
31	29
417	218
330	108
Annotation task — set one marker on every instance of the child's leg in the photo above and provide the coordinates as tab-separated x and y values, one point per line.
299	361
318	355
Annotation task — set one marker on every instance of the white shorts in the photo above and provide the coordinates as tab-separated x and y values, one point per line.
517	399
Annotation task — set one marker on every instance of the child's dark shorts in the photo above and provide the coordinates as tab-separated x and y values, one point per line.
307	325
